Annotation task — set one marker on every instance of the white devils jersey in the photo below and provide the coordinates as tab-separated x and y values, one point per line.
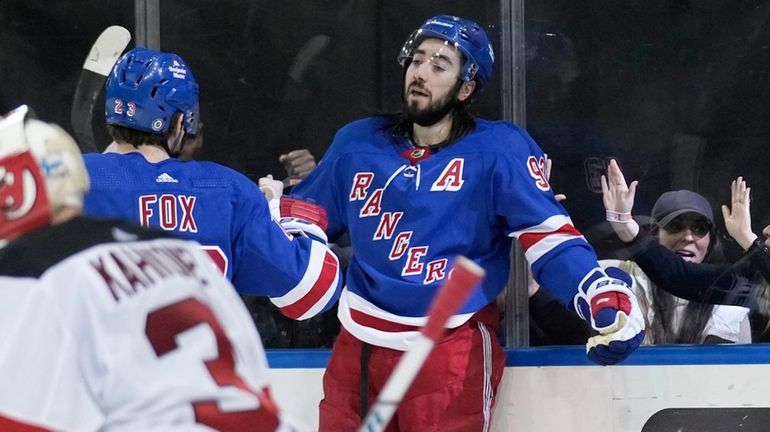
108	333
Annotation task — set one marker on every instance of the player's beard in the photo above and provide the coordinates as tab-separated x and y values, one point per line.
435	111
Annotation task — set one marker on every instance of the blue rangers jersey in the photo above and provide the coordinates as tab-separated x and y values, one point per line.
409	213
226	213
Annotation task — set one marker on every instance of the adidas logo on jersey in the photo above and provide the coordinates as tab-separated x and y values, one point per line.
165	178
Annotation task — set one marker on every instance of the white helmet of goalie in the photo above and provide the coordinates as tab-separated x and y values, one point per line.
41	172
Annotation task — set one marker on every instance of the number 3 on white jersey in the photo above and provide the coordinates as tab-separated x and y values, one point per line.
162	328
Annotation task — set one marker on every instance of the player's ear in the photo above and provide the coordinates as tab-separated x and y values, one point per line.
177	123
176	134
466	90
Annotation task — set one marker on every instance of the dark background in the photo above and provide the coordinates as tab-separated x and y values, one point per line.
677	91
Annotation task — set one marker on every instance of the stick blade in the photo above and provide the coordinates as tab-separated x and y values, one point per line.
106	50
102	56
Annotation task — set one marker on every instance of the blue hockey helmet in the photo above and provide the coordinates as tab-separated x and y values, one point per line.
147	87
463	34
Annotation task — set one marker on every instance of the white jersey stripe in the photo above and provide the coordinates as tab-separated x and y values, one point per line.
315	266
551	224
488	390
328	294
547	244
351	304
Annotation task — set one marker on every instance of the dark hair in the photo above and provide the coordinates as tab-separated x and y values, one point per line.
136	137
462	123
696	314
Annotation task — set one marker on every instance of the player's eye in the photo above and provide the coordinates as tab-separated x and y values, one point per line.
438	65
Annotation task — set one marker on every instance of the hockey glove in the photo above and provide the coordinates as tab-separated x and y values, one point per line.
606	301
303	218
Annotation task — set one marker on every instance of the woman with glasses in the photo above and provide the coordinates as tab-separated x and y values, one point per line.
683	232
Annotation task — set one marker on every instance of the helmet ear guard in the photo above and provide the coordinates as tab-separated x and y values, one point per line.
41	172
147	87
466	36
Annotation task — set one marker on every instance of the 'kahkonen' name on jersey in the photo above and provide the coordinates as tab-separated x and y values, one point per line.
127	271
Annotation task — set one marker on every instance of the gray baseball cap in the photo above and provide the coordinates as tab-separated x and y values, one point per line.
674	203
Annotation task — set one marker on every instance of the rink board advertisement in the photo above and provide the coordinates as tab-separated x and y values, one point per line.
676	389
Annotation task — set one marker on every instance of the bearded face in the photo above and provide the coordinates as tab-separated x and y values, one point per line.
425	107
432	85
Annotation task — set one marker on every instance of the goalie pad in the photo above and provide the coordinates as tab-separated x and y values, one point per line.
606	301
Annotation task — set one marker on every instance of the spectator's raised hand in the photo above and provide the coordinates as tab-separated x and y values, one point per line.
618	198
738	216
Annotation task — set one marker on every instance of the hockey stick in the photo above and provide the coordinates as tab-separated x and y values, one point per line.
103	55
465	276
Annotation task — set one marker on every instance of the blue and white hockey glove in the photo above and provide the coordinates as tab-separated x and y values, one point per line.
606	301
303	218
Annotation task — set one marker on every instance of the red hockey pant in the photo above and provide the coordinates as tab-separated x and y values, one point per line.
454	391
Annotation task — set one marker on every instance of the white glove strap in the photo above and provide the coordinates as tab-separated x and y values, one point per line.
275	208
301	227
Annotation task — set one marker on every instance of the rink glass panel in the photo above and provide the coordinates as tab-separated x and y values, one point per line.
677	91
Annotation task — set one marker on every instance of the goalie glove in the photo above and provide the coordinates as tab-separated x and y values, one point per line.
303	218
606	301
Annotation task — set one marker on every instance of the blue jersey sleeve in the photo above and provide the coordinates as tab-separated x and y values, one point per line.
559	256
322	186
300	275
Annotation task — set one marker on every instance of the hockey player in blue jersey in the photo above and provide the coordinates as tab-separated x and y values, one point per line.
151	110
415	190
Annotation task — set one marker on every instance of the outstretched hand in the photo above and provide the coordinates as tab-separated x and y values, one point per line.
738	216
617	195
298	164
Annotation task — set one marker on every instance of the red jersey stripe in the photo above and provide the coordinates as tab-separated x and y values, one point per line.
9	425
322	285
529	239
380	324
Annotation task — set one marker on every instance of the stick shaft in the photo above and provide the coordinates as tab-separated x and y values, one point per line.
465	276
